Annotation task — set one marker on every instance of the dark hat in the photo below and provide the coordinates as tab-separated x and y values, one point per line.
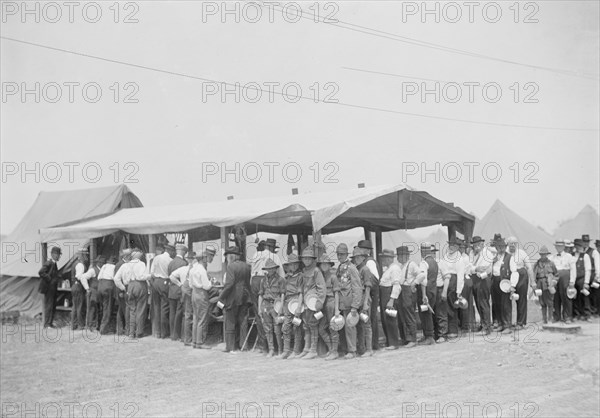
169	247
402	250
427	246
597	243
270	264
56	250
342	249
324	259
476	239
499	241
365	243
578	242
191	254
585	238
309	253
270	242
233	250
387	253
292	258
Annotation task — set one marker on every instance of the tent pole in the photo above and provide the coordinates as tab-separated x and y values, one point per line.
93	252
44	252
451	232
298	244
152	244
316	243
367	233
378	244
223	247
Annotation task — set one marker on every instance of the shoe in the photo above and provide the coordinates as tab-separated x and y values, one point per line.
285	355
270	354
302	354
420	340
293	356
506	330
310	355
392	347
568	321
487	331
427	341
411	344
441	340
518	327
368	353
187	344
331	356
350	356
451	336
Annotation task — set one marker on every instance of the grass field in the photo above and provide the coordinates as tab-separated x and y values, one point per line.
532	373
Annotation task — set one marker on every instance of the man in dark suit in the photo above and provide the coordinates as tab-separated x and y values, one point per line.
49	285
234	298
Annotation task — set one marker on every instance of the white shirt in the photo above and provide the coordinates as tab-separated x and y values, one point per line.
512	266
596	258
480	264
454	263
565	261
83	276
411	273
391	277
107	272
130	271
199	277
160	265
372	266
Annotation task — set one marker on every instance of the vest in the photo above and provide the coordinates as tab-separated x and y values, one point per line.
379	269
505	267
590	252
580	266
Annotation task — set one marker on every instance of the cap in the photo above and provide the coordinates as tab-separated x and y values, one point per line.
544	250
125	252
342	249
325	259
365	243
292	258
402	250
181	247
210	250
270	264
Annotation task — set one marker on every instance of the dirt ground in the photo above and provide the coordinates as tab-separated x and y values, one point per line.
532	373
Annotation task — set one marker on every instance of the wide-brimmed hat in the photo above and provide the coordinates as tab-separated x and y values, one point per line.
308	253
559	242
233	250
358	252
137	253
387	253
505	285
311	302
324	259
365	243
271	242
511	240
578	242
569	243
292	258
125	252
499	241
293	305
476	239
571	292
270	264
597	242
342	249
428	246
544	250
56	250
210	251
585	238
181	247
402	250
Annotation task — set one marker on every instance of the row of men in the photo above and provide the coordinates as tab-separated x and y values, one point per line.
359	287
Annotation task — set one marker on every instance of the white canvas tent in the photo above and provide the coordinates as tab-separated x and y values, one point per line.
586	222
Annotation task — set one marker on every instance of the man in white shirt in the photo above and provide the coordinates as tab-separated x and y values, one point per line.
133	277
525	269
389	291
106	291
565	264
427	292
411	276
595	274
453	267
80	288
160	286
503	268
480	270
583	268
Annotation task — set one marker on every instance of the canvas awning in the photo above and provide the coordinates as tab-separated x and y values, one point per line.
381	208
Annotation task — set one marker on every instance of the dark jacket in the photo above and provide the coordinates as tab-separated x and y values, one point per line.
49	276
237	286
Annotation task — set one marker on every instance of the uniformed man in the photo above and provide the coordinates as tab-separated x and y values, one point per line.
293	290
503	268
121	296
367	280
567	273
313	285
583	271
159	271
331	307
427	292
466	317
545	272
132	278
389	291
376	271
453	269
234	299
351	297
79	289
479	269
106	292
524	267
175	293
271	289
411	276
48	286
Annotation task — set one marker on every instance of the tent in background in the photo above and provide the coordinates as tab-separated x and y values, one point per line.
21	250
501	219
586	222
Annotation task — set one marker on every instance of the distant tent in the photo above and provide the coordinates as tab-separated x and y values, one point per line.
439	237
21	250
586	222
501	219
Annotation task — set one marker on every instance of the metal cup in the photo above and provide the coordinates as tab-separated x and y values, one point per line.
296	321
391	312
318	315
595	285
364	317
585	292
514	296
424	308
220	305
552	290
538	292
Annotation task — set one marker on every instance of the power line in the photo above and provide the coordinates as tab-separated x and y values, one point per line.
417	42
350	105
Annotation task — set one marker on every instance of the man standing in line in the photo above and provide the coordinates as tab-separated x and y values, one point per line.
367	280
411	276
595	260
503	268
272	289
583	270
92	299
106	292
132	278
351	297
567	273
159	271
375	270
293	290
181	279
121	296
427	292
234	299
313	285
330	307
479	269
175	299
389	291
453	270
79	289
525	269
49	285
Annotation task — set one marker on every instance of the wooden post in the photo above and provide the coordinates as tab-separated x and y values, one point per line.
299	244
152	244
93	252
367	233
44	252
451	231
378	245
224	243
317	243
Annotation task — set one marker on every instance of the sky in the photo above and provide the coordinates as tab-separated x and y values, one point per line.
163	125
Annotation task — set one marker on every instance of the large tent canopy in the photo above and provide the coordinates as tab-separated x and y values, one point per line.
586	222
381	208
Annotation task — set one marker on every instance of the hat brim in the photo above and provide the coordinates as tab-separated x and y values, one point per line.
232	252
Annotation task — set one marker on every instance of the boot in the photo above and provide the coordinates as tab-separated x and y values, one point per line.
279	344
545	315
